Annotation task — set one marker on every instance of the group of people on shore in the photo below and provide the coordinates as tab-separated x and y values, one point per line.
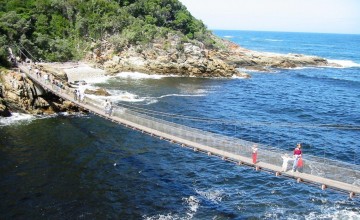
297	157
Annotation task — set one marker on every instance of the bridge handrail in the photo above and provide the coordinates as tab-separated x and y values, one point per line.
313	165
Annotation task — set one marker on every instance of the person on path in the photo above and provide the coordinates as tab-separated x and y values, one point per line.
297	156
78	94
82	95
46	78
110	108
254	153
286	159
75	94
37	72
106	106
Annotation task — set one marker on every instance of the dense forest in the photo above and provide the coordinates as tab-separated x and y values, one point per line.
59	30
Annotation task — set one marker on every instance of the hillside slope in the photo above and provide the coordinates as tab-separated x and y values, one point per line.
154	36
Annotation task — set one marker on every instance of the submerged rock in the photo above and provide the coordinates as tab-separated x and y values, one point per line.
4	110
99	92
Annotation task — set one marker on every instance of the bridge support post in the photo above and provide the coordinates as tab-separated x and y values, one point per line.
352	195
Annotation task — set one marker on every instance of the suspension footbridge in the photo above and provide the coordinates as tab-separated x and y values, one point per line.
324	173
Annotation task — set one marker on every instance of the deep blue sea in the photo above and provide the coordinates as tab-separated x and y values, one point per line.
84	167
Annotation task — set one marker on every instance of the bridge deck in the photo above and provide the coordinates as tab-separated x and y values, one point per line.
234	153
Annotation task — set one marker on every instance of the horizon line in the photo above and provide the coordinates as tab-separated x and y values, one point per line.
304	32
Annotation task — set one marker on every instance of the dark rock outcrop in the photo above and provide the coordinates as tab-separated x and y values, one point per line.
4	110
172	56
99	92
20	94
169	57
253	60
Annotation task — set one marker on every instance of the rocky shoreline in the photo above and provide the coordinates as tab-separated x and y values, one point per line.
20	94
193	59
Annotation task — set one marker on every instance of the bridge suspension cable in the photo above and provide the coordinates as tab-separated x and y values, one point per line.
24	48
237	122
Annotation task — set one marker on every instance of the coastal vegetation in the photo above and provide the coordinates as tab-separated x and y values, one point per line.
57	30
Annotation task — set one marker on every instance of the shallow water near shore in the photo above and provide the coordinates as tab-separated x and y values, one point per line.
86	167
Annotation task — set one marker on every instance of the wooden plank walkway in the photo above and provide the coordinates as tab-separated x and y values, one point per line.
240	160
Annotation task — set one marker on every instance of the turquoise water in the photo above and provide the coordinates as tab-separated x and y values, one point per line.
85	167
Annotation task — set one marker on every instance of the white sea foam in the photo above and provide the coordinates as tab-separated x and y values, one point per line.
98	79
169	216
180	95
138	75
273	40
16	118
215	196
228	36
118	95
238	77
338	214
193	204
345	63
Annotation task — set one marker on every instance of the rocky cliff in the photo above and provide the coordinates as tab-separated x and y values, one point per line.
193	59
262	61
160	57
20	94
165	57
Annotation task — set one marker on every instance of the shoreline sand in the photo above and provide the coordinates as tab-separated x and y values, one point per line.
81	71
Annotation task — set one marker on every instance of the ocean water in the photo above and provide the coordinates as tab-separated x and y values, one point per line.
81	166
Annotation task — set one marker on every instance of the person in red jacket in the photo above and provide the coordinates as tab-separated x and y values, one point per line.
254	153
297	156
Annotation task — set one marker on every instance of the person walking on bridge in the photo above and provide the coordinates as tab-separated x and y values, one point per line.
110	108
254	153
106	106
75	94
297	156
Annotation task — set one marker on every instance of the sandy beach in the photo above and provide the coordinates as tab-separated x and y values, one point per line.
80	71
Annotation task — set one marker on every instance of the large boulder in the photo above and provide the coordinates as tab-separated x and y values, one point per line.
4	110
58	73
99	92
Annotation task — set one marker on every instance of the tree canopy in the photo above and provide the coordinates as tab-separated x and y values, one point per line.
58	30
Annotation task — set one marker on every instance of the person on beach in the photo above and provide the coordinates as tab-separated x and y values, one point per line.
254	153
297	156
